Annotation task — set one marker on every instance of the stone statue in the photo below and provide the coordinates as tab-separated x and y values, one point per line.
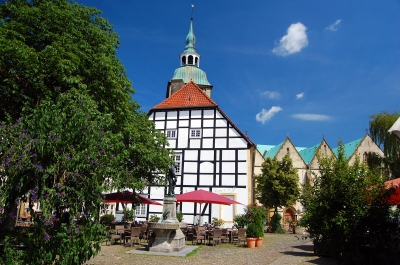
171	180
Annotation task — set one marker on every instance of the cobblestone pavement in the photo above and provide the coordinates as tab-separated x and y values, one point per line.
276	249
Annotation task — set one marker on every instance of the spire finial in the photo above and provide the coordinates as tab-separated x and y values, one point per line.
191	16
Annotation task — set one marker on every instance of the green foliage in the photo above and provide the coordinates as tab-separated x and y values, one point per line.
278	184
240	221
346	214
154	218
255	216
217	222
379	125
107	219
70	130
128	215
179	216
276	224
252	231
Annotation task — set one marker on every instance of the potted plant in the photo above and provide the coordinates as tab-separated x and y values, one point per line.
154	218
251	235
240	221
255	216
217	222
179	216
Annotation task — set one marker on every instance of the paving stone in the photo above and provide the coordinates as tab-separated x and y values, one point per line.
276	249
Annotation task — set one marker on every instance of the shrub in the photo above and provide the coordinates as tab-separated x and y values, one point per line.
179	216
255	216
240	221
276	224
154	218
217	222
128	214
107	219
252	231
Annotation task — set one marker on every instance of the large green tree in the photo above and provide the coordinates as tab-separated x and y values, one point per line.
346	214
69	127
379	125
278	184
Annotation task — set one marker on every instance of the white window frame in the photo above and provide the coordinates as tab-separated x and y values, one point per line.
195	133
171	133
178	162
140	210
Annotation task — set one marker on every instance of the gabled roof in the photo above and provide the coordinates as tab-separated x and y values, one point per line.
190	95
309	153
273	151
349	148
263	149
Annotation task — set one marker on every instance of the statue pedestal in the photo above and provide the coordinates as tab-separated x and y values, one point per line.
167	236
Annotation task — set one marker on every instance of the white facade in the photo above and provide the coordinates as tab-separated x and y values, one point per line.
210	154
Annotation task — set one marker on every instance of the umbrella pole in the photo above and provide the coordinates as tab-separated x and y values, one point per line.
200	215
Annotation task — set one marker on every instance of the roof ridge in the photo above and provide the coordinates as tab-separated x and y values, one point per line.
189	95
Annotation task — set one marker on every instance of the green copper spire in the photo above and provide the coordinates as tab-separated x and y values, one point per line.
190	39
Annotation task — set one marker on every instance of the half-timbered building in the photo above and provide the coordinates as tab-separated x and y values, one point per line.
210	151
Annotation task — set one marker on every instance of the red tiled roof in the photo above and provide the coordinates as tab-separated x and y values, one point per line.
190	95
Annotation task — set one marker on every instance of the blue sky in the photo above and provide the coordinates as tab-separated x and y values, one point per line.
303	68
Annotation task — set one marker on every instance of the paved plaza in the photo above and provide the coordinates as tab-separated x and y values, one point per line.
276	249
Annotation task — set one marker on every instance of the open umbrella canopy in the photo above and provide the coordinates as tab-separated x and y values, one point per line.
202	196
395	129
128	197
395	196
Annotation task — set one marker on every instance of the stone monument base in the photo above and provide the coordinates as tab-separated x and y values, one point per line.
167	237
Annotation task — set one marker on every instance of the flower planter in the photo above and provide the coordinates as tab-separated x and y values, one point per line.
259	242
251	242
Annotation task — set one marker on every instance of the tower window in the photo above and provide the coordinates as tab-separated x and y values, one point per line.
183	60
197	61
190	59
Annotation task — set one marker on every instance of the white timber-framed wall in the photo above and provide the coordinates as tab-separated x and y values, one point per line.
213	155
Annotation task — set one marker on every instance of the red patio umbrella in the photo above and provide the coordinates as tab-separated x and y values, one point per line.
128	197
203	196
395	196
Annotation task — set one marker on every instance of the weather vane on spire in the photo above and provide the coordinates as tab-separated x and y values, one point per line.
191	16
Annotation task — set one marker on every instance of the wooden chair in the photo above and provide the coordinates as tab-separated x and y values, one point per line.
134	235
239	236
216	236
113	236
197	236
225	234
144	232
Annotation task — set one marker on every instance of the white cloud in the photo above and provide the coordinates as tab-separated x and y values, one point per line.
311	117
265	115
298	96
333	27
293	41
271	94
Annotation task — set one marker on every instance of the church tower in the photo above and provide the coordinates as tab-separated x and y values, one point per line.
189	69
